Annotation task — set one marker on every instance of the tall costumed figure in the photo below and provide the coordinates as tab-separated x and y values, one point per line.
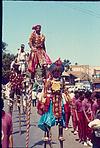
51	106
38	55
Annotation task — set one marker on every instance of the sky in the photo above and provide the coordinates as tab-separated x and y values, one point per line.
71	29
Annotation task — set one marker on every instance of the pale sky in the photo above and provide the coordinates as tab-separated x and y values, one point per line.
71	29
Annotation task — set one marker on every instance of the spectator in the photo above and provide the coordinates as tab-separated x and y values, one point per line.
22	59
67	107
96	105
7	138
95	125
34	97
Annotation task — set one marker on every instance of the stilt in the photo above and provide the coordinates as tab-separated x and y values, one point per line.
10	107
50	138
19	112
61	138
45	140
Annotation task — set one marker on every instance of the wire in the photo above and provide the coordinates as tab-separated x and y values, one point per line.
91	12
85	11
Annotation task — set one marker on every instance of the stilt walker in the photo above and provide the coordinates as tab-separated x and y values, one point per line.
37	57
16	79
51	108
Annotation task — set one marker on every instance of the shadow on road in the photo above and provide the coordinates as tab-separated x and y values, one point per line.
18	121
22	116
22	132
41	143
24	125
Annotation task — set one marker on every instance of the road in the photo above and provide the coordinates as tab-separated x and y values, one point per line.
36	134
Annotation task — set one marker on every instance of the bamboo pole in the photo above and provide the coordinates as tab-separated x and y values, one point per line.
50	136
19	112
45	142
61	139
28	115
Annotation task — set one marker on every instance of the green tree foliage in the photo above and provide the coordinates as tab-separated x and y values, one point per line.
4	45
67	64
7	58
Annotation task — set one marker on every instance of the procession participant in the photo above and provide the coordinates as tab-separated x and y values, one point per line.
93	97
34	97
53	105
96	105
95	126
80	116
15	80
73	112
57	101
67	107
87	110
45	121
22	59
27	60
18	53
38	54
25	91
71	93
7	138
7	96
11	65
7	91
14	64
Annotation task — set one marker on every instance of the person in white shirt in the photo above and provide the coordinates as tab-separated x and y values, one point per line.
18	54
12	64
34	97
22	59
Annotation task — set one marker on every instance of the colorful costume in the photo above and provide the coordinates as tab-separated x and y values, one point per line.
53	110
7	129
16	83
67	106
38	54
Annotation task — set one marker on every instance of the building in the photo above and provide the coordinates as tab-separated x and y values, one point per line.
81	73
96	73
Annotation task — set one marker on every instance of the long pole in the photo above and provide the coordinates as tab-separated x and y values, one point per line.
61	135
50	136
19	111
28	114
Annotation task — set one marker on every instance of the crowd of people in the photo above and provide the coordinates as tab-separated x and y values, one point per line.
83	108
79	107
54	102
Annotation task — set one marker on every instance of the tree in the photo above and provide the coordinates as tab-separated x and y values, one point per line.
4	45
66	64
7	58
76	63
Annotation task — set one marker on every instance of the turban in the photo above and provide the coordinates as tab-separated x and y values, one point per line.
35	26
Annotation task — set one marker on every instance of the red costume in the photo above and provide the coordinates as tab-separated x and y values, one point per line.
16	82
38	54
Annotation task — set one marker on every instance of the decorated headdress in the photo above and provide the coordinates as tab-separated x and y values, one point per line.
35	26
56	68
